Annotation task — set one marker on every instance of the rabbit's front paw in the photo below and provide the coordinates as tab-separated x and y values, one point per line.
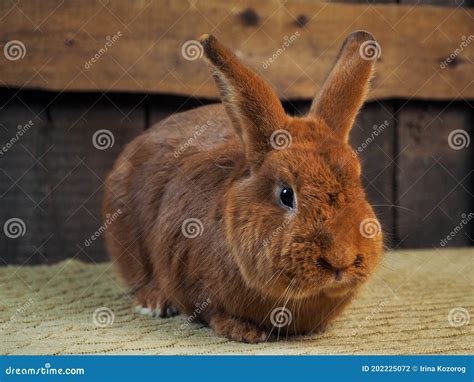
150	301
237	329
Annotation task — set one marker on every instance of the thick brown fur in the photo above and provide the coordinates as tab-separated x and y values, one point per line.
251	257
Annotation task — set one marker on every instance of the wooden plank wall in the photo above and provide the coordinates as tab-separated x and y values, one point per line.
434	180
51	177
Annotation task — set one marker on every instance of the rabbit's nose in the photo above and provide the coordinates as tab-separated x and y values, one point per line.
338	274
325	264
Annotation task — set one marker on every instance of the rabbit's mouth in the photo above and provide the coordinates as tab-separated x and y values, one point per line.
339	288
302	274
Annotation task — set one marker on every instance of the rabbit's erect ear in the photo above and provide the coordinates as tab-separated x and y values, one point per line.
345	89
251	103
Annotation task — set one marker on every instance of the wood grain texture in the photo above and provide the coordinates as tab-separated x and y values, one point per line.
435	175
23	179
60	40
162	106
372	137
443	3
403	310
432	201
80	163
60	173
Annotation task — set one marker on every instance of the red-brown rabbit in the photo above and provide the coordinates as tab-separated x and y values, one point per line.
251	221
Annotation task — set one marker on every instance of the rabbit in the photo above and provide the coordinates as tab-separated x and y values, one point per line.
248	220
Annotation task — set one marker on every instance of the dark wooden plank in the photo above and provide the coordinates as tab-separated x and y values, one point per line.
372	138
435	180
22	169
162	106
66	185
364	1
80	160
440	3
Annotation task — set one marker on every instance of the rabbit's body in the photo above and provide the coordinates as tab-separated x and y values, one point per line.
203	227
156	196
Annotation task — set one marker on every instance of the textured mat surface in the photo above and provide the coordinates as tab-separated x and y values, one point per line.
418	302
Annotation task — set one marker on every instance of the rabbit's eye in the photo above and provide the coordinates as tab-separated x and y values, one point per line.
287	197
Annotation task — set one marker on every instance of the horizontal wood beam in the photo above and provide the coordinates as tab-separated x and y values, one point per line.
137	46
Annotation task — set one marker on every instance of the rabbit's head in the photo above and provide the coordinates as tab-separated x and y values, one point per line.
296	217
